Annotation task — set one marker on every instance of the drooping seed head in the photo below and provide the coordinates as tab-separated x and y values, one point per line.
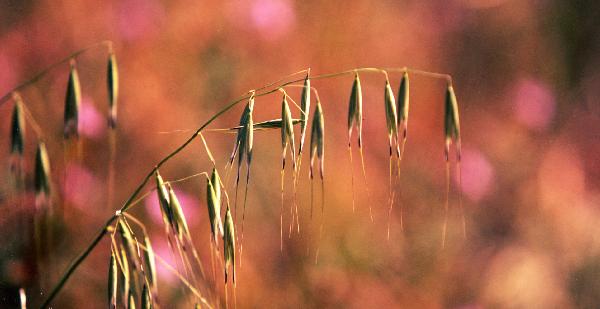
287	130
317	139
391	116
128	242
112	281
42	171
245	136
150	263
355	110
213	192
17	141
305	106
180	224
72	103
229	245
112	79
163	199
452	122
403	102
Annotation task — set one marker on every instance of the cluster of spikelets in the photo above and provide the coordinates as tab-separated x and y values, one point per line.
132	268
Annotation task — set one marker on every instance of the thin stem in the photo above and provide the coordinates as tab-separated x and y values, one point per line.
76	263
42	73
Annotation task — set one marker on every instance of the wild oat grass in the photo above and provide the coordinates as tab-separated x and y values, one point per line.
132	276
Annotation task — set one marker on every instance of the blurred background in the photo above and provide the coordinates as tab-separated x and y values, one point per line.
525	74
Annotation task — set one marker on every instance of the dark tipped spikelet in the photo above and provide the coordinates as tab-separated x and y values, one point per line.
317	139
305	106
112	80
150	263
452	122
287	130
403	103
355	110
72	103
391	116
112	281
163	199
213	193
17	141
146	301
229	245
42	171
179	223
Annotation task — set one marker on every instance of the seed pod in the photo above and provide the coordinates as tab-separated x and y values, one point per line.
305	106
229	245
112	281
287	130
391	116
452	122
403	103
180	224
42	171
146	302
355	110
150	262
17	141
72	103
163	199
124	278
213	193
317	139
112	80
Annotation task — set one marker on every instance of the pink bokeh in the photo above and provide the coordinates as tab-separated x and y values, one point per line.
92	123
477	174
272	18
78	186
534	103
139	18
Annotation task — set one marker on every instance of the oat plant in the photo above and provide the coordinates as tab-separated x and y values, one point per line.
132	278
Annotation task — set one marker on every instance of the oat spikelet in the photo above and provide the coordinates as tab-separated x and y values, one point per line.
124	277
180	226
17	141
287	131
150	263
229	245
317	140
403	106
163	199
213	202
72	103
451	123
355	111
305	106
452	135
43	185
391	116
112	80
112	281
